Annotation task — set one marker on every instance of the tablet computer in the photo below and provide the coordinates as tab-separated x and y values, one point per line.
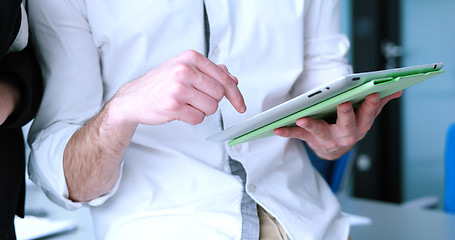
263	124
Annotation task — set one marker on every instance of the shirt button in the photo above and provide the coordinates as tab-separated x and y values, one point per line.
238	147
251	187
216	51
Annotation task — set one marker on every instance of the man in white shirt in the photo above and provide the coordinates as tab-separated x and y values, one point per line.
133	88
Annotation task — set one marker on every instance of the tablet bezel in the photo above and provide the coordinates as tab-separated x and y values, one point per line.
315	96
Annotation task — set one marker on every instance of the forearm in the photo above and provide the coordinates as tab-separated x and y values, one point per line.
93	155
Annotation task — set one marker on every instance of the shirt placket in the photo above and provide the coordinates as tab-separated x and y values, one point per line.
218	17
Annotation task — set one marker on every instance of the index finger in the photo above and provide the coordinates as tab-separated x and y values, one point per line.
212	70
386	99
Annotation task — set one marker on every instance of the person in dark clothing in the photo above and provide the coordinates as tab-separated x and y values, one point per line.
20	96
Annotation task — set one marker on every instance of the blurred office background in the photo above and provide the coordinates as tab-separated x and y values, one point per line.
401	159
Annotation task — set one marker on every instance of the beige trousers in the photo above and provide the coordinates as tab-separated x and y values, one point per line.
270	229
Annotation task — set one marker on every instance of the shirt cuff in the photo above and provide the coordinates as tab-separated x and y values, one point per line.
46	167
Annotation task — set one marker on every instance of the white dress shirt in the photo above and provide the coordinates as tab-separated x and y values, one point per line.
174	184
21	40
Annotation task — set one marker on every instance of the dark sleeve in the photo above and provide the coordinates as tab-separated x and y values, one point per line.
22	70
10	22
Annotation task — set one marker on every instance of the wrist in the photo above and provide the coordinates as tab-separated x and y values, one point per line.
117	117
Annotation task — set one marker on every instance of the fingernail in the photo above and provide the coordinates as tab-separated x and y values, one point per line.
243	108
345	108
302	123
376	99
236	81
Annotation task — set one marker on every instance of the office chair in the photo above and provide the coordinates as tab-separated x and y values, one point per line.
449	161
334	172
449	179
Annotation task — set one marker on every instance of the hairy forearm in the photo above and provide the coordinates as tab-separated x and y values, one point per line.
93	155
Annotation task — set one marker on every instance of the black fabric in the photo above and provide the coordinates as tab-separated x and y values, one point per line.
12	180
10	23
21	70
207	32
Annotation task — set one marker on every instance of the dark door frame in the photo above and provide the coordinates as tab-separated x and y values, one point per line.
377	169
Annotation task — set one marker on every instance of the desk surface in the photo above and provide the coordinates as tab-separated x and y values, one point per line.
389	221
392	221
38	202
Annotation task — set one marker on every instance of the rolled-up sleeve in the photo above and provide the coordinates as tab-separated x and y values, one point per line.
325	47
73	92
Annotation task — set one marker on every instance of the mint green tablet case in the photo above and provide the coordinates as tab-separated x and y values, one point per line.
326	108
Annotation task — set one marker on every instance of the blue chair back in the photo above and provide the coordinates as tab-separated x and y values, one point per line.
332	171
449	161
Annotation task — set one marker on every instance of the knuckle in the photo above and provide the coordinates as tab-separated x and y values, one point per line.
191	54
171	105
222	66
225	79
181	70
177	90
349	125
211	108
218	93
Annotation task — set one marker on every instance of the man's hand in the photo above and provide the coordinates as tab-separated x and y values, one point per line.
186	88
9	96
331	141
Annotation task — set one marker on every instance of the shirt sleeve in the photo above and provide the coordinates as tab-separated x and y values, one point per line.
73	90
325	47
